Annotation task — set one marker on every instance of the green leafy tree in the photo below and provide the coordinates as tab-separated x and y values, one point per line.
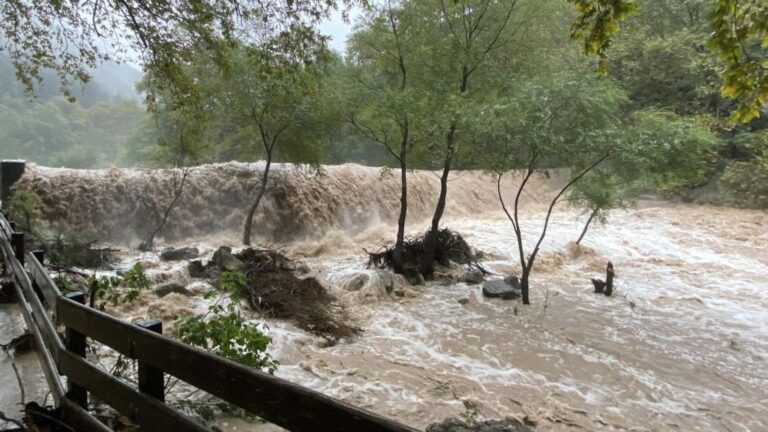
383	104
565	121
69	37
463	37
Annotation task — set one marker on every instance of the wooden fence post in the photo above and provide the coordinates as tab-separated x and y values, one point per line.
76	343
10	172
151	379
17	242
39	255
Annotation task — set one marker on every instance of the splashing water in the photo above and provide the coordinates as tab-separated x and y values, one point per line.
682	344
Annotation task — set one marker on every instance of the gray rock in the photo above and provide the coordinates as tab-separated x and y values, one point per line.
196	269
472	277
174	254
224	260
457	425
163	290
413	277
512	281
500	289
387	279
463	301
356	283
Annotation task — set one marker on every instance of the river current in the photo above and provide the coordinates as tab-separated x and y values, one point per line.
681	345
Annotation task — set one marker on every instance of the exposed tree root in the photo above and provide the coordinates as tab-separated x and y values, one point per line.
451	247
274	289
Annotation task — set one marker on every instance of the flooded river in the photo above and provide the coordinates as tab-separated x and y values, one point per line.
682	344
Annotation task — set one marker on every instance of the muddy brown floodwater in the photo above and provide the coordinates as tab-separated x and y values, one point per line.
682	344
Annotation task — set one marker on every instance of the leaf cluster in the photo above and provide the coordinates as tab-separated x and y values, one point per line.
224	331
117	290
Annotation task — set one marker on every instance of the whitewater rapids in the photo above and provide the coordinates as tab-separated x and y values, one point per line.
682	344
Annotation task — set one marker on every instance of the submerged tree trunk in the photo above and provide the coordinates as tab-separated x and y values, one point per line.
397	254
524	285
586	227
255	205
430	242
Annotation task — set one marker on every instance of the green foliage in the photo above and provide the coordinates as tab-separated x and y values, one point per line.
117	290
24	208
746	181
597	22
740	38
60	133
737	34
69	37
675	153
563	120
225	332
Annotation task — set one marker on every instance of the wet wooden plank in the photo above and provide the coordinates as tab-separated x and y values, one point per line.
144	410
43	281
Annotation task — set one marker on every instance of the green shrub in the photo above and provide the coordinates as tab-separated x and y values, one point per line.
225	332
116	290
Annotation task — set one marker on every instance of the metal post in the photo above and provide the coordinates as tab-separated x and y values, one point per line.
76	343
151	380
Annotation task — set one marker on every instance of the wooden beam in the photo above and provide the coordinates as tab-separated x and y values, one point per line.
151	379
76	344
148	412
43	281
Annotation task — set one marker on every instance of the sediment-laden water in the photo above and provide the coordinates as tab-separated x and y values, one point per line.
682	344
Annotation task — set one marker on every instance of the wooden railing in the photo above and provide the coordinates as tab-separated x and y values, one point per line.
44	308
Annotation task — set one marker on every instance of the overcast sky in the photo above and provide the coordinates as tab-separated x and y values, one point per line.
338	30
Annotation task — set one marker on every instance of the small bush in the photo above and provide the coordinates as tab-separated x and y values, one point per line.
116	290
225	332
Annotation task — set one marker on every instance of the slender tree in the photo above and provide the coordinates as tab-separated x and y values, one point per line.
473	30
565	122
383	105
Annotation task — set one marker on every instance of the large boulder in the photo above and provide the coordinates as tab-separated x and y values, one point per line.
174	254
457	425
224	260
472	277
501	289
163	290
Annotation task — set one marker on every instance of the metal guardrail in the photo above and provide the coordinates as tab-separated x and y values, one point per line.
43	306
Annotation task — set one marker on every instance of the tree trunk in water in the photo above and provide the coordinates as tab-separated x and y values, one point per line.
397	256
524	285
609	280
255	206
586	227
430	242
